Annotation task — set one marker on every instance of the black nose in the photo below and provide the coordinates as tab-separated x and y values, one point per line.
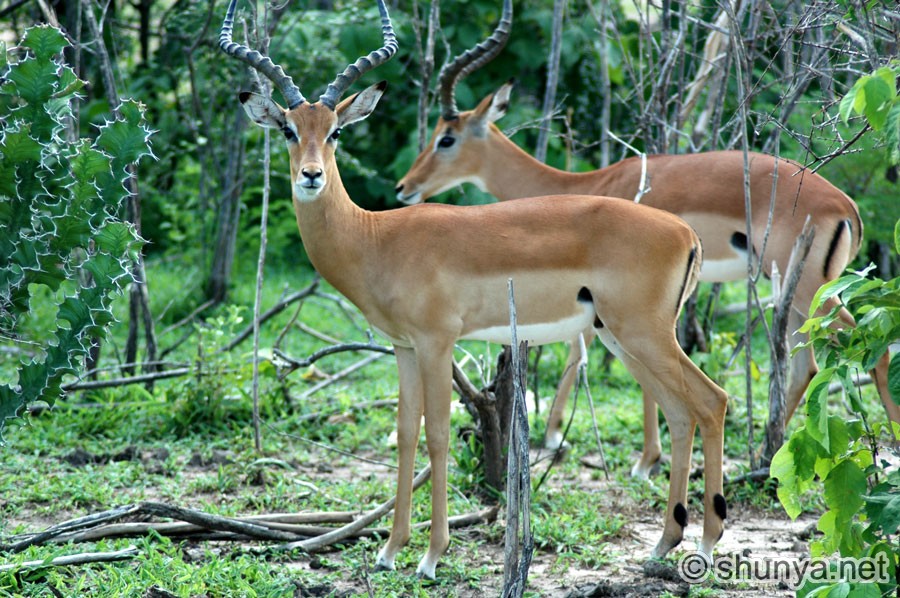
398	188
311	175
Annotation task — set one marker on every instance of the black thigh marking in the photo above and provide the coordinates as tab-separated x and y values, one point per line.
585	296
680	515
833	246
687	274
739	241
720	506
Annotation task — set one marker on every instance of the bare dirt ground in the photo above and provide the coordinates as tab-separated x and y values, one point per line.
750	532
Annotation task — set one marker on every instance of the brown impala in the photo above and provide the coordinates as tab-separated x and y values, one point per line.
706	189
429	275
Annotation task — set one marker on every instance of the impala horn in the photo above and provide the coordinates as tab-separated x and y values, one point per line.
286	85
472	60
258	61
363	64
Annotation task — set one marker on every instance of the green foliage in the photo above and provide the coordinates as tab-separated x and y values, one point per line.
875	98
59	200
861	494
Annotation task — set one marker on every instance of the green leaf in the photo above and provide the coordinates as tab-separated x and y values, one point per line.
45	41
844	490
116	238
894	378
878	98
835	288
35	80
18	147
125	139
793	467
885	513
817	407
889	77
892	135
897	237
846	106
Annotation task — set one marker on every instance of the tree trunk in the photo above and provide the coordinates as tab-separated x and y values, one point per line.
228	215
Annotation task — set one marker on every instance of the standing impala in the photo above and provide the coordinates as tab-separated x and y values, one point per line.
429	275
705	189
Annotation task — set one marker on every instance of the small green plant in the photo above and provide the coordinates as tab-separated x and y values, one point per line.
215	394
875	98
64	250
846	455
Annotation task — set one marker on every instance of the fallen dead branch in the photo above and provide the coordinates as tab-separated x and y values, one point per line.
304	531
76	559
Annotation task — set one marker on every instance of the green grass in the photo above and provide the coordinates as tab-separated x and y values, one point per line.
189	441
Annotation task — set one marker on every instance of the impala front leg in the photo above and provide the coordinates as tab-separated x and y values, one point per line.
436	371
409	418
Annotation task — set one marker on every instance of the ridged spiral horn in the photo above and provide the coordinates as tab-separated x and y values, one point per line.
472	60
258	61
363	64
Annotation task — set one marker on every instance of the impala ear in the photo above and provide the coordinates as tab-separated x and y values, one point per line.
360	105
491	108
262	110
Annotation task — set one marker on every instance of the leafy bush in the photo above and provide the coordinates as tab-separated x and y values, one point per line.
861	490
64	247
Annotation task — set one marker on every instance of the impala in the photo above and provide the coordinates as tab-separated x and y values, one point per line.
428	275
705	189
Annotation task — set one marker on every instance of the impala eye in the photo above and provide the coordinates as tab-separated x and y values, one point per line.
289	134
446	141
334	136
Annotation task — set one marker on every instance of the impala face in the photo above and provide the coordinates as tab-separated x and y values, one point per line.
311	132
456	153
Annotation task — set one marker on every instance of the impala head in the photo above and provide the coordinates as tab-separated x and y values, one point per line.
452	156
456	152
310	129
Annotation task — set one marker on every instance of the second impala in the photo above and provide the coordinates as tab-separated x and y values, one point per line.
706	189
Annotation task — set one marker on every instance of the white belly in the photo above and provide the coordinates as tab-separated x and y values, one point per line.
539	333
724	270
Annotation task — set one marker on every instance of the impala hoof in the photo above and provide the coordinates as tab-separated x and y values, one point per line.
642	471
554	441
383	562
425	570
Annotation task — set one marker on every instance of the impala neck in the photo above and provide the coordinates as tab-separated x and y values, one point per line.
337	235
512	173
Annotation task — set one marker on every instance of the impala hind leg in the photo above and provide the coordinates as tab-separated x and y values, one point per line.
553	438
409	418
435	370
688	399
648	463
879	375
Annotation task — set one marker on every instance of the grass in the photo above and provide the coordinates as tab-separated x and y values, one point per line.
189	442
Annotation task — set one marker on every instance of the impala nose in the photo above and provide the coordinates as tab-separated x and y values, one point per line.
312	173
398	189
